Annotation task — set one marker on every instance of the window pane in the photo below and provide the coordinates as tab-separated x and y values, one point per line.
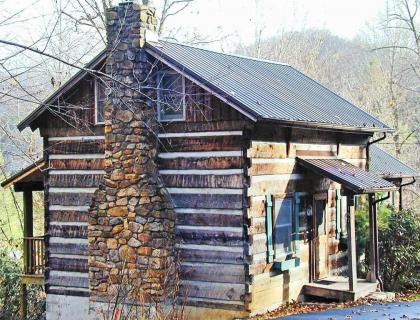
100	98
170	96
283	226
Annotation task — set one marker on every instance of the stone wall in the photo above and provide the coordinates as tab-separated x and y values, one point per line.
131	225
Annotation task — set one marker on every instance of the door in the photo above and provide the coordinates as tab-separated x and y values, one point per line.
320	238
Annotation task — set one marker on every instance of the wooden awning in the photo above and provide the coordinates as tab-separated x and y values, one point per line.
29	178
351	177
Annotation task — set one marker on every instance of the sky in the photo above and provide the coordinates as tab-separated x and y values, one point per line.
238	20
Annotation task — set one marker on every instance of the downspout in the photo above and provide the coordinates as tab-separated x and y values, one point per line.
400	191
368	152
375	239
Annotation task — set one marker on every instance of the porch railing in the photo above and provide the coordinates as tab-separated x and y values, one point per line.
33	255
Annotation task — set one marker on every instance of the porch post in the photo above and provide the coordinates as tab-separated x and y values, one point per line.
28	231
371	276
351	243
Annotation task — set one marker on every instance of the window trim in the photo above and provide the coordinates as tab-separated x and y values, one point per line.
96	92
184	109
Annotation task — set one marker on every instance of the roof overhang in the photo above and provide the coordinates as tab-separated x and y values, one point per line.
29	178
351	177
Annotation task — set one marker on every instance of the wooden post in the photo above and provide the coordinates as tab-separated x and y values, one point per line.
28	214
351	243
27	256
371	276
23	309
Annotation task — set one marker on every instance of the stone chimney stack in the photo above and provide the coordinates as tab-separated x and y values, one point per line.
131	225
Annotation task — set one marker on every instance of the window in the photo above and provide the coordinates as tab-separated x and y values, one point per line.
283	227
100	99
171	96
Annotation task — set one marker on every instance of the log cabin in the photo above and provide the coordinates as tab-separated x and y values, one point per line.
242	170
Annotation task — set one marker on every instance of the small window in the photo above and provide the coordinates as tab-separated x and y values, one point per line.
171	96
100	99
283	227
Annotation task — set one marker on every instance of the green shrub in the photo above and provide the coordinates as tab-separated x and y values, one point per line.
10	270
399	250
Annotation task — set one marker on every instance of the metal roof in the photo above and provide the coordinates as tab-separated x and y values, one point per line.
385	165
352	177
267	90
261	89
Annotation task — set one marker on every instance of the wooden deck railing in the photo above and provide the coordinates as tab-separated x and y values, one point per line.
33	255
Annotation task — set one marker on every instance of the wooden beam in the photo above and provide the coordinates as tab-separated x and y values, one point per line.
351	244
371	276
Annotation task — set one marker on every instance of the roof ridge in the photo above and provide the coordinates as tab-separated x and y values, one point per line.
228	54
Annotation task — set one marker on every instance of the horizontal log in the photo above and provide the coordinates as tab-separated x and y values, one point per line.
74	147
210	256
69	248
203	126
213	272
228	143
261	149
279	166
315	153
199	134
74	164
76	156
204	181
77	138
224	291
219	236
68	216
68	279
70	199
276	187
66	231
202	154
68	180
212	201
209	219
65	264
67	291
201	163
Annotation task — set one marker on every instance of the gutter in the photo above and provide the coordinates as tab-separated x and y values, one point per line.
400	191
375	239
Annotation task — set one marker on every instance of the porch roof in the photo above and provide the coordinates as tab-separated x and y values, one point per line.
352	177
30	178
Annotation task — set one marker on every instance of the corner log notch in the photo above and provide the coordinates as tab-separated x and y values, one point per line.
131	226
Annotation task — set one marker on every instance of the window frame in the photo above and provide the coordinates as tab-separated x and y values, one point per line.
285	255
96	94
184	109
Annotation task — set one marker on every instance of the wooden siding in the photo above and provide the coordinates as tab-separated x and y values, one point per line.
75	171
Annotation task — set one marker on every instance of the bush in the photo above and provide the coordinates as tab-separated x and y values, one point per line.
399	251
10	270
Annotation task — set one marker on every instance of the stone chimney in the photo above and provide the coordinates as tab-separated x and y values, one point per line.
131	225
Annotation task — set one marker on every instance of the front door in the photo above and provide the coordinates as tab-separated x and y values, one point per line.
320	238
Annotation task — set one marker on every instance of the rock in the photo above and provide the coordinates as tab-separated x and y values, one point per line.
118	211
133	242
112	243
117	175
127	254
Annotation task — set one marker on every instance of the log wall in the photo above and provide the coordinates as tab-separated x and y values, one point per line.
272	170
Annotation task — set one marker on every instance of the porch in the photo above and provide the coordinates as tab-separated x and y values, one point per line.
33	260
337	288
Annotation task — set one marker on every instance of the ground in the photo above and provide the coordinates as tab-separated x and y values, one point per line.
379	311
